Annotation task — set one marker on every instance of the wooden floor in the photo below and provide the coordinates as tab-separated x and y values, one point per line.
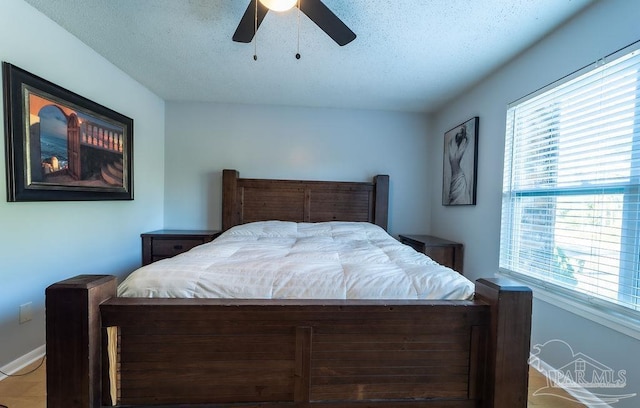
560	399
29	391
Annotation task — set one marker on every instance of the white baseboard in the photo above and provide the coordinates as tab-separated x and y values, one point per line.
21	362
580	394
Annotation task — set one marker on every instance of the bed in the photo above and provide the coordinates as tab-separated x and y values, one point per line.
329	352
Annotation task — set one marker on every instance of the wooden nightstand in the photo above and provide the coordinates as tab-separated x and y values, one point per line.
162	244
447	253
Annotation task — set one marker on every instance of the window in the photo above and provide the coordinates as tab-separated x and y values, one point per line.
571	187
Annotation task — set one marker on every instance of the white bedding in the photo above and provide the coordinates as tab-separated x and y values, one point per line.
285	260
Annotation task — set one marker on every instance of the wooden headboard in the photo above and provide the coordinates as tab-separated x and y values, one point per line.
248	200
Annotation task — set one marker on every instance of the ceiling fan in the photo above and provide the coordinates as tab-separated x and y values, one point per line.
314	9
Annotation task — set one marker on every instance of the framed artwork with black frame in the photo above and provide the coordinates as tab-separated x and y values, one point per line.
61	146
460	164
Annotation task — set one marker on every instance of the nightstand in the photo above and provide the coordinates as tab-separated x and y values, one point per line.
162	244
444	252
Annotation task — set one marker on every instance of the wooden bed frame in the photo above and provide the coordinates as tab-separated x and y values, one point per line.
287	353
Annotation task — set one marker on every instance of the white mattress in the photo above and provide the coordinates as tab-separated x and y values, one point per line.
285	260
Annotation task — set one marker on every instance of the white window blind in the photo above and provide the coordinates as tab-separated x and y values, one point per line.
571	189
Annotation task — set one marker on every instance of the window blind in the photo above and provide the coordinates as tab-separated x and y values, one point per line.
571	186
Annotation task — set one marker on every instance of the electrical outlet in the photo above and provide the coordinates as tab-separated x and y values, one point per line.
26	312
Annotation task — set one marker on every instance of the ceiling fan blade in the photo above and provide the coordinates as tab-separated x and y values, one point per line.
327	21
246	29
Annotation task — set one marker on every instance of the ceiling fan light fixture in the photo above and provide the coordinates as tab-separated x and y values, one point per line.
279	5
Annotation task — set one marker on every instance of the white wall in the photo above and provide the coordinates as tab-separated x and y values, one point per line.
292	143
601	29
43	242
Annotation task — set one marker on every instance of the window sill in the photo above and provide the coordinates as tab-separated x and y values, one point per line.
621	323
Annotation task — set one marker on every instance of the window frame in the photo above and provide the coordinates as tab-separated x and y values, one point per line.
610	314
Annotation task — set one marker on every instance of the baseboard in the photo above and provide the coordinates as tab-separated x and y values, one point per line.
581	395
21	362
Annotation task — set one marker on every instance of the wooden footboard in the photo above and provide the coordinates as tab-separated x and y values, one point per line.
243	353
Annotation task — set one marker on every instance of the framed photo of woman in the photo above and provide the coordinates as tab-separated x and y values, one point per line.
460	164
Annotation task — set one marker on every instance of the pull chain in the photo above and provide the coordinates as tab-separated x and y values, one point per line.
255	34
299	11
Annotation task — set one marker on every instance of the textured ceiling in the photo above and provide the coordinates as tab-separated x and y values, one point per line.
409	55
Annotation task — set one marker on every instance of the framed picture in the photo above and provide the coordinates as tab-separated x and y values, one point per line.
460	164
61	146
